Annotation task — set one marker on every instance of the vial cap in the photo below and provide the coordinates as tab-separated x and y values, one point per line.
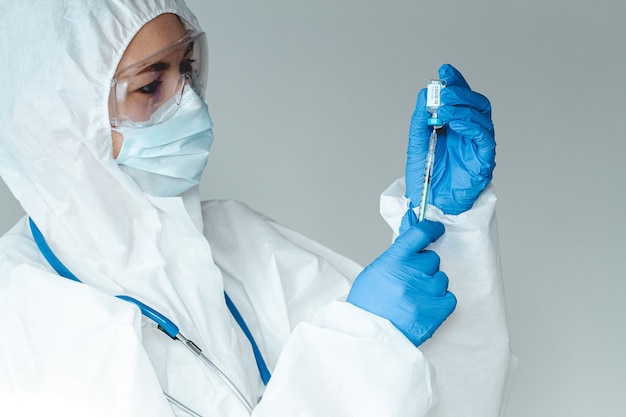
434	121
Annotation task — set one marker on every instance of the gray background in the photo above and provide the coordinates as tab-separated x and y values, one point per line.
311	103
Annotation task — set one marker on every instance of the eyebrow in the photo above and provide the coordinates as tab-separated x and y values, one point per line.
159	66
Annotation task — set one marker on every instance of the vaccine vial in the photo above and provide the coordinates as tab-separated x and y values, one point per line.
433	101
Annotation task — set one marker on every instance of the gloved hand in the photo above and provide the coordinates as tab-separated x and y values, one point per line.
405	286
466	147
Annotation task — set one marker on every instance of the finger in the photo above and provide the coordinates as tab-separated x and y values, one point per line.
408	220
452	76
419	120
416	239
427	262
421	275
436	313
463	97
452	114
438	284
439	307
434	285
419	132
484	139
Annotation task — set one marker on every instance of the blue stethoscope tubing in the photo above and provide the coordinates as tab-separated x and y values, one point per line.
165	324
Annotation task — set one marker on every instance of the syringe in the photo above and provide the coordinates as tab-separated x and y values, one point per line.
433	102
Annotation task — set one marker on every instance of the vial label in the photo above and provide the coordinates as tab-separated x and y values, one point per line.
433	95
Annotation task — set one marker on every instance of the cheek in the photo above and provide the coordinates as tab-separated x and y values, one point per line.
116	139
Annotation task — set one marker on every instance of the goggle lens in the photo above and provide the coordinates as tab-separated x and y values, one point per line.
139	90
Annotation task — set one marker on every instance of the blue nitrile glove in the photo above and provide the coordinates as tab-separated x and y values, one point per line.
466	146
404	285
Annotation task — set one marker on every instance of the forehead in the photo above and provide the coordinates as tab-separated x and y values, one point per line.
152	37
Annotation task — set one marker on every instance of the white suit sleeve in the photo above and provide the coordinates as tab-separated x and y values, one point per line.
327	357
343	361
470	352
348	362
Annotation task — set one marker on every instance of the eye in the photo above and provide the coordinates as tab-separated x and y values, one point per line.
150	88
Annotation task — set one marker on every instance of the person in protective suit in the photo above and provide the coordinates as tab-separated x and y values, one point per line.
121	293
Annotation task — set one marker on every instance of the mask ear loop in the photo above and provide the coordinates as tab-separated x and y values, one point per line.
183	80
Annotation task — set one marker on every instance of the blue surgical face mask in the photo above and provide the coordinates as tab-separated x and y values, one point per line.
167	157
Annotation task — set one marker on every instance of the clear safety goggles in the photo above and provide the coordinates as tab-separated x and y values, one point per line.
139	90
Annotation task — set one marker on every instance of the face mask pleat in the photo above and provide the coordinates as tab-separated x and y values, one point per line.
167	158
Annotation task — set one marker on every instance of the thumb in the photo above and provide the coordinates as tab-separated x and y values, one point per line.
419	131
408	220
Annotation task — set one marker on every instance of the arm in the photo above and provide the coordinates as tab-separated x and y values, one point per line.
68	348
327	357
470	352
348	362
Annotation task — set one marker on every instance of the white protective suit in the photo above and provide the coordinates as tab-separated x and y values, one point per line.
73	349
